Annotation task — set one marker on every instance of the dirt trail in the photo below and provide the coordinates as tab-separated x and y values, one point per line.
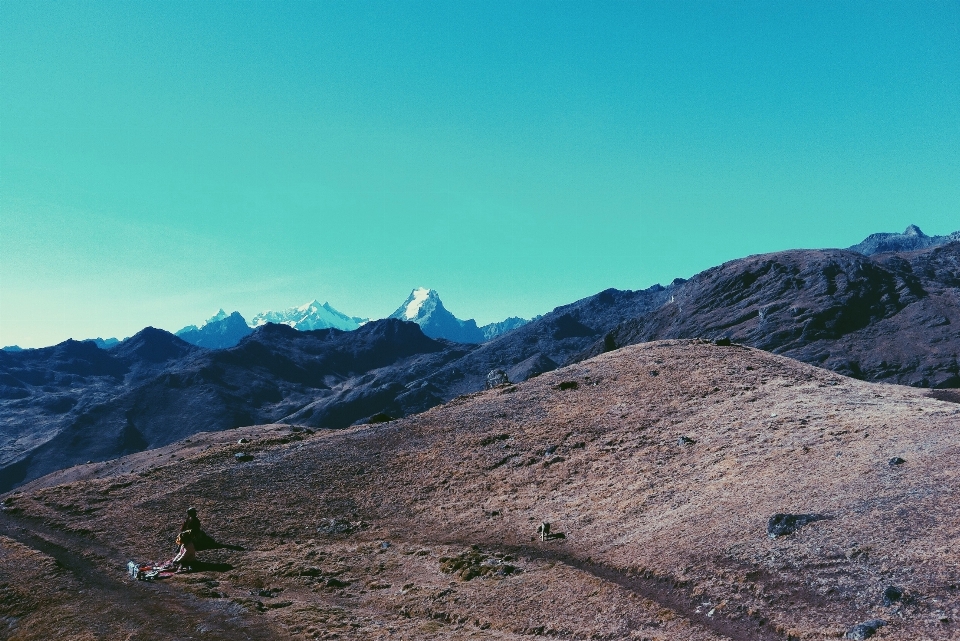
664	591
159	610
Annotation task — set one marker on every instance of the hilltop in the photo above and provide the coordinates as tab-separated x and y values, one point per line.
661	463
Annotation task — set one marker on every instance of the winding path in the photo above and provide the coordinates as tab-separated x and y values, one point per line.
160	611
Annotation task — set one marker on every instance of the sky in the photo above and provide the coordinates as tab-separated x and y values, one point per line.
159	161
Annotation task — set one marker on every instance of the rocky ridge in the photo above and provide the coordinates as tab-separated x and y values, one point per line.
911	239
892	317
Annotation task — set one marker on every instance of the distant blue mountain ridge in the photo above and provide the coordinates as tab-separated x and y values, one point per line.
424	307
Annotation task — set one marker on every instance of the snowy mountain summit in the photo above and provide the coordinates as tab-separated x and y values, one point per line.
424	307
413	307
312	315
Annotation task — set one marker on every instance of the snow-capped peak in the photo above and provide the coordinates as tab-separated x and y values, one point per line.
312	315
313	306
417	298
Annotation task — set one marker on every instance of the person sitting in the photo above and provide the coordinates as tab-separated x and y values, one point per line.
192	522
187	554
201	540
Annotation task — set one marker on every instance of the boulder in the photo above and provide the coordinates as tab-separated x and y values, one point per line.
784	524
892	594
496	378
864	630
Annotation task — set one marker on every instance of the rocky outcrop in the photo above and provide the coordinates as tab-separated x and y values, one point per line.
911	239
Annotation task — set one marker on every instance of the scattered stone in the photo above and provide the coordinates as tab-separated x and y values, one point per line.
473	563
892	595
385	545
496	378
336	583
722	342
339	526
490	440
896	460
243	457
279	604
864	630
685	440
550	450
783	524
243	440
566	385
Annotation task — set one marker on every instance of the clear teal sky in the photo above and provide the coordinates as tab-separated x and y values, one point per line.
161	160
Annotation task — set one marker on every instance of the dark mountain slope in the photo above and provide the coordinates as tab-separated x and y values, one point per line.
550	341
42	391
889	317
492	330
274	373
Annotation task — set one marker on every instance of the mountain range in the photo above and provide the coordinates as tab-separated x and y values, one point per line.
223	330
889	316
422	307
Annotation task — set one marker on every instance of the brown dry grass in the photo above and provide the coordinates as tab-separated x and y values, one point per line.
664	540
